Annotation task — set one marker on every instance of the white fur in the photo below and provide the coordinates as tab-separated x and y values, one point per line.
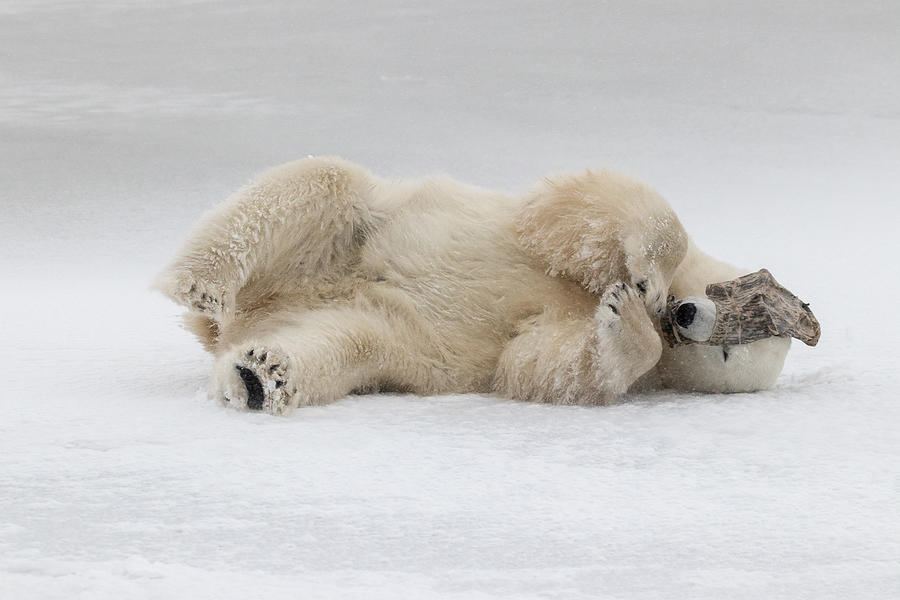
344	281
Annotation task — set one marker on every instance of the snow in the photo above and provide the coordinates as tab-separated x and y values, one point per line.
121	121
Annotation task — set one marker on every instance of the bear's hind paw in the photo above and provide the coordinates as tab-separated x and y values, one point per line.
198	296
264	381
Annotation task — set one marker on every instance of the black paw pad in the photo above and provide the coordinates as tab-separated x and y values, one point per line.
254	387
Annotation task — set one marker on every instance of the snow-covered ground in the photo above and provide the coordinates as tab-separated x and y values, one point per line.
121	121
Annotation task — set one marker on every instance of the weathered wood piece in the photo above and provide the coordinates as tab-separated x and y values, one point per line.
749	308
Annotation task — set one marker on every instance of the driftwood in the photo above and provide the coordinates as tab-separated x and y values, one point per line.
749	308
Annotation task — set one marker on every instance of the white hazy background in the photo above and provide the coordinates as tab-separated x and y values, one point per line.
773	128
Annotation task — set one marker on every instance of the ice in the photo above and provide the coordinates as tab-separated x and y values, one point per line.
774	131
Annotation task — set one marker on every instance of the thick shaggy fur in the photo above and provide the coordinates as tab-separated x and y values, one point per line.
321	279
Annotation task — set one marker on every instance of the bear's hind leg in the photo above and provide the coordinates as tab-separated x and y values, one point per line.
289	361
296	220
592	360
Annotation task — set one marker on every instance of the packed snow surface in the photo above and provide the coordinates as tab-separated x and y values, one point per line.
773	129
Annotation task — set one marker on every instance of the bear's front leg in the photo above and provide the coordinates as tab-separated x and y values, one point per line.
626	343
588	360
646	276
600	228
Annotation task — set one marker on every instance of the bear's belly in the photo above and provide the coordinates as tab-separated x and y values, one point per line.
464	294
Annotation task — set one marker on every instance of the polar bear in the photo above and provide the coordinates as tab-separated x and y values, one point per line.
320	279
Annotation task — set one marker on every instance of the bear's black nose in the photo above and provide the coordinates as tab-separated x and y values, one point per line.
684	315
254	388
